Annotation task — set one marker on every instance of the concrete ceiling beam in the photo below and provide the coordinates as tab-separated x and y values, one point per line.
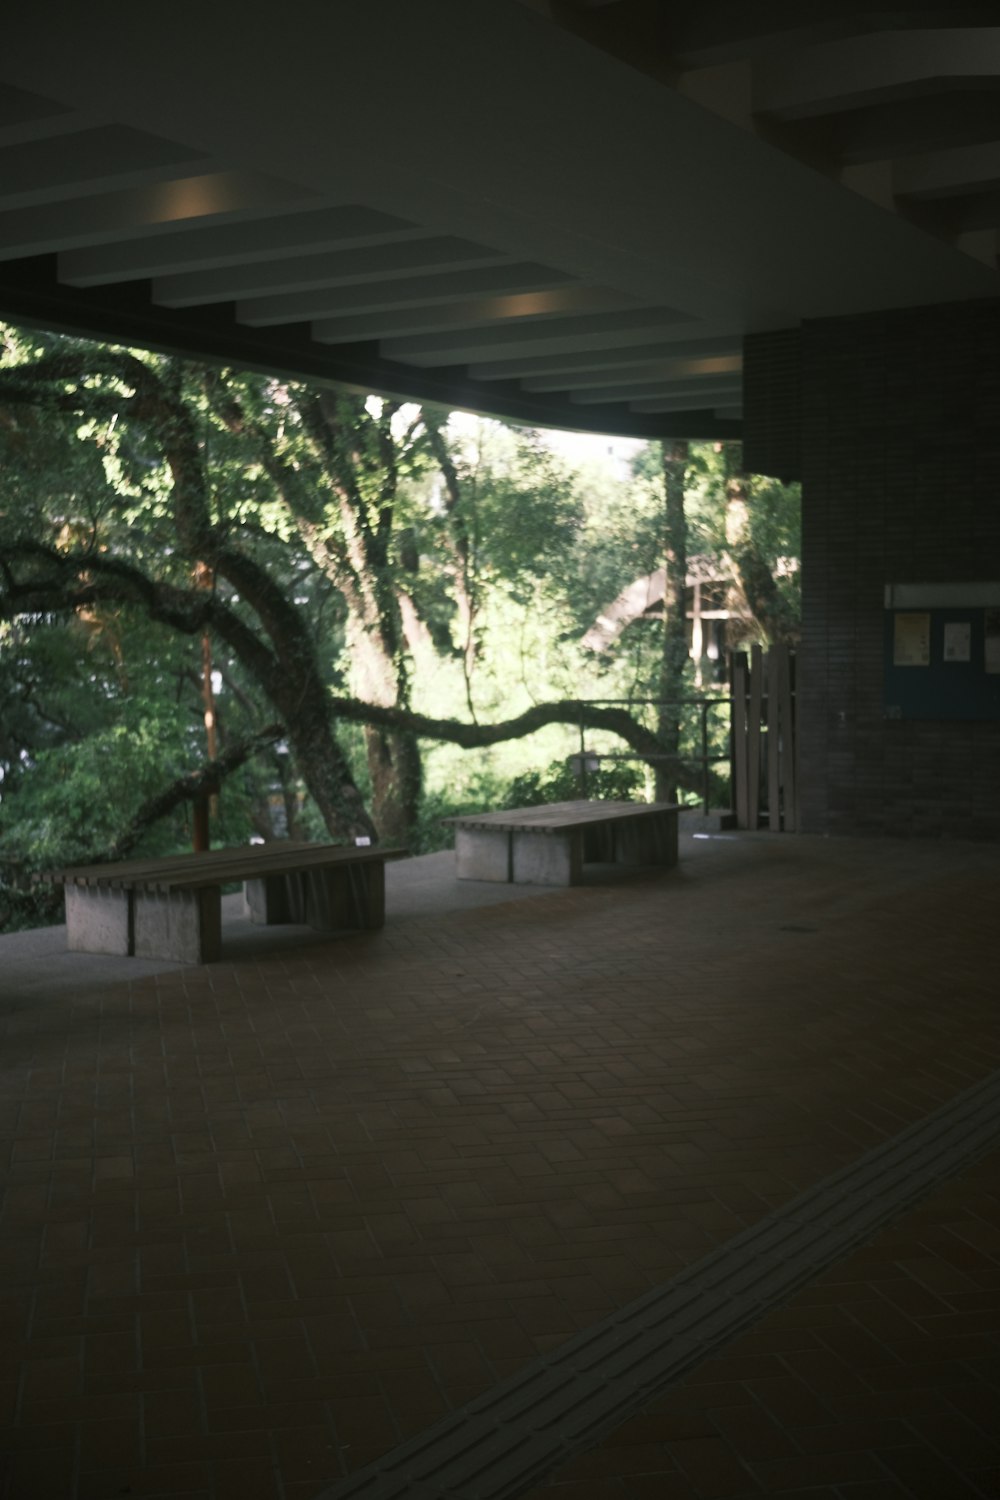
28	117
412	291
644	372
942	174
274	232
338	268
90	161
477	312
703	394
714	401
600	330
859	71
729	342
157	209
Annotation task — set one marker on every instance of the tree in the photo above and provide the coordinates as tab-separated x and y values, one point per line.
744	527
762	516
741	537
319	540
333	462
674	458
113	558
414	529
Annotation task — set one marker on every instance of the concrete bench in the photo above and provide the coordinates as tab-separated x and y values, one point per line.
171	907
549	845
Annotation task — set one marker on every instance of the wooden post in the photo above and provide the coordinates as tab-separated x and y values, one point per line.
697	637
753	737
791	734
201	839
788	746
773	769
740	738
201	815
205	579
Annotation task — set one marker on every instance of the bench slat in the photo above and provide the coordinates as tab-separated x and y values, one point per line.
218	866
194	877
556	816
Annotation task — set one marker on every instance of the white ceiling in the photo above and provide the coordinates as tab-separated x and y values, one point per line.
563	211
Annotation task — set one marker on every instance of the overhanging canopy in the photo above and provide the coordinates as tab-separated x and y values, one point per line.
564	213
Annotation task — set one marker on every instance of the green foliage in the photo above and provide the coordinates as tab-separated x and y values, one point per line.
620	535
79	797
621	781
430	833
465	595
70	681
775	526
556	782
517	506
26	903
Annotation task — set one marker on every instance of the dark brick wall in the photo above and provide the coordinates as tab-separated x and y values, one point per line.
901	483
772	381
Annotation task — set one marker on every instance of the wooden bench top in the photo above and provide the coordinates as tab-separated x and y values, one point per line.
555	817
219	866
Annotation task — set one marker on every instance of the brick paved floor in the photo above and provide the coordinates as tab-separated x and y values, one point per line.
880	1379
266	1218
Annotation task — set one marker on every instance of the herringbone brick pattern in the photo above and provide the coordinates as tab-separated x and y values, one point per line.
265	1219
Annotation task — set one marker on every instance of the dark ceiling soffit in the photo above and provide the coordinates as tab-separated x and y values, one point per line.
30	293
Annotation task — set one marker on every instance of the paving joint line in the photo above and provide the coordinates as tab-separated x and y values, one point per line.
566	1401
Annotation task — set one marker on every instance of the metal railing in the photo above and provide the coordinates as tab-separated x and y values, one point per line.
589	760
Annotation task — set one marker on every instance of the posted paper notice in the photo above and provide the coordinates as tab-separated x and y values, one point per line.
957	640
912	640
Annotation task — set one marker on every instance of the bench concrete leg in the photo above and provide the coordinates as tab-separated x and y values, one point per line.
482	854
185	926
650	840
98	920
547	858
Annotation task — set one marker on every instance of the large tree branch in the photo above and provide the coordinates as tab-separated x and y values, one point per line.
159	405
26	393
286	664
73	580
63	582
567	711
207	778
75	365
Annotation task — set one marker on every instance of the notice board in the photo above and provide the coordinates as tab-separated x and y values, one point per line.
942	651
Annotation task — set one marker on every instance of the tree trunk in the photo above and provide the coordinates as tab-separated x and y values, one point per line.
675	647
193	787
461	549
394	762
395	768
326	773
757	594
